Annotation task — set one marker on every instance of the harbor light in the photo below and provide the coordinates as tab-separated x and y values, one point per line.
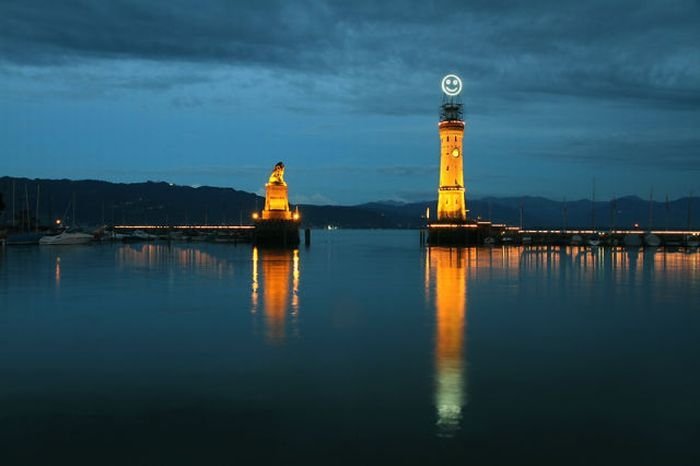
255	216
58	221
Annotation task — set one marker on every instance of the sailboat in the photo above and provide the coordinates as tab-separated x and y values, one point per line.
594	238
67	237
693	240
650	239
25	236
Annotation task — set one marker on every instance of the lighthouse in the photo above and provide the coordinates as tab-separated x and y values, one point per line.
451	201
452	226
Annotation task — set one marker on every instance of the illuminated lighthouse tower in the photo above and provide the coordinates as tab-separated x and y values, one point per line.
451	204
452	227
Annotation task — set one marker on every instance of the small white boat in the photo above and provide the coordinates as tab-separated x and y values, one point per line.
593	241
66	238
137	236
142	235
692	241
652	240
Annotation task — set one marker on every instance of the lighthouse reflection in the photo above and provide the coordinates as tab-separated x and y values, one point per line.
446	276
275	290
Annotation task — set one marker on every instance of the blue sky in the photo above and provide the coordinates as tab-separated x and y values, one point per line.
347	94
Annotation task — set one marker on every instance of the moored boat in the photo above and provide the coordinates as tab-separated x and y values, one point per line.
138	235
66	238
23	238
652	240
593	240
692	241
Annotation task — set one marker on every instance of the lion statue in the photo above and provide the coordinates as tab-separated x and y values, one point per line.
277	175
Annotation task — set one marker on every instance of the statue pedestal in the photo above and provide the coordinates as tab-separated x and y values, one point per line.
278	226
276	203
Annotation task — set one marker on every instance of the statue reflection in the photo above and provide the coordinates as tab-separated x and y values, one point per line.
448	273
276	272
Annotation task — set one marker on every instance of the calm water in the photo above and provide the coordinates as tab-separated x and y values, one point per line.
363	349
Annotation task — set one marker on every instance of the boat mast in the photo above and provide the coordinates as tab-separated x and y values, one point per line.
690	199
651	207
14	213
36	226
25	216
613	214
593	207
521	214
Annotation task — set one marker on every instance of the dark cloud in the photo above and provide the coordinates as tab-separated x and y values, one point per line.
553	89
608	50
629	151
407	171
217	31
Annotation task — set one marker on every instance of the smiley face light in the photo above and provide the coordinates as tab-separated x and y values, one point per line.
451	85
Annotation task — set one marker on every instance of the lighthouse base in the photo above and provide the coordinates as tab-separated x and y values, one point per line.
276	233
460	234
469	233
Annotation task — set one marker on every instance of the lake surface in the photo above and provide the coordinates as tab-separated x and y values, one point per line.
362	349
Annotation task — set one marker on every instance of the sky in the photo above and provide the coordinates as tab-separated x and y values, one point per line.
558	96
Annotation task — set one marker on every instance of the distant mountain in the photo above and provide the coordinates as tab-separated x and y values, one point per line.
538	212
98	202
622	212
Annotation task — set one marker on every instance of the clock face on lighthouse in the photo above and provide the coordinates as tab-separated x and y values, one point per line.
455	152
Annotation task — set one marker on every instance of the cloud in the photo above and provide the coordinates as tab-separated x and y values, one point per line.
382	57
582	85
408	171
630	151
314	199
207	171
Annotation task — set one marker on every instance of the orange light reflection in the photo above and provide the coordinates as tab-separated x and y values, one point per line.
448	271
278	273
